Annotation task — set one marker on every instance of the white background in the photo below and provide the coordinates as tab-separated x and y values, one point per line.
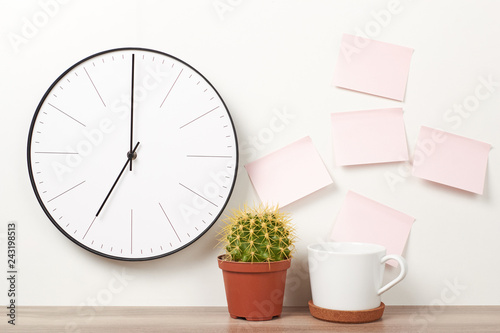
266	58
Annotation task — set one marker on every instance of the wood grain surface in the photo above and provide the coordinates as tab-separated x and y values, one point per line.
216	319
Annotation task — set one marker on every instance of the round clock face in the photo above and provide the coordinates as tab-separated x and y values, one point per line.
132	154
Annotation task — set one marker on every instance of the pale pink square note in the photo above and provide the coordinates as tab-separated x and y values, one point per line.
451	159
289	173
369	136
373	67
364	220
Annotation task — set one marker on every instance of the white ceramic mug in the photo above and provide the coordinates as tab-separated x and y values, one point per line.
348	276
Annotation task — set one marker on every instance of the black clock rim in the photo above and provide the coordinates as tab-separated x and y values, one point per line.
39	199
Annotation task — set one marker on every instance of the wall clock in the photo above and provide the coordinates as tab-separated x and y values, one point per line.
132	154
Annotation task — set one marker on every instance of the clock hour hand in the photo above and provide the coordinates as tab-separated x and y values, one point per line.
131	154
129	159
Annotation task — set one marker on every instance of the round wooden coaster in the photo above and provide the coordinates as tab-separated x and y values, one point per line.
351	317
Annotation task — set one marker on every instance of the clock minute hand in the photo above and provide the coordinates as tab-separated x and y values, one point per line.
131	154
118	178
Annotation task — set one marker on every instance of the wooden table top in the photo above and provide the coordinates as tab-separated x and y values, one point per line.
216	319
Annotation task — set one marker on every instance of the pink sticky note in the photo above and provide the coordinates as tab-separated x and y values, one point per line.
373	67
371	136
451	159
289	174
367	221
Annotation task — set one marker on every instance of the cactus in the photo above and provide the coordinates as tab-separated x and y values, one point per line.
258	234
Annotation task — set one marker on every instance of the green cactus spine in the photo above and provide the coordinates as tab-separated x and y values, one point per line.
258	234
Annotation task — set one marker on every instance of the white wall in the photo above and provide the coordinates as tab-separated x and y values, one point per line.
265	57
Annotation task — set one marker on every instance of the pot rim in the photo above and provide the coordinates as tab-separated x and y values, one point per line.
252	267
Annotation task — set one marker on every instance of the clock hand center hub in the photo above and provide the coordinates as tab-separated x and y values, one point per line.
131	155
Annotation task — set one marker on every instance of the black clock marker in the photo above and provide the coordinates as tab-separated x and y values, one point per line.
199	117
187	188
57	196
131	228
56	152
117	179
171	87
97	91
64	113
169	222
217	156
90	226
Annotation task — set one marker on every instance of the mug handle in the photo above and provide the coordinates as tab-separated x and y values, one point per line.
402	265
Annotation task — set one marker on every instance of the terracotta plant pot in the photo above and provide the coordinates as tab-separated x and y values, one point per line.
254	291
